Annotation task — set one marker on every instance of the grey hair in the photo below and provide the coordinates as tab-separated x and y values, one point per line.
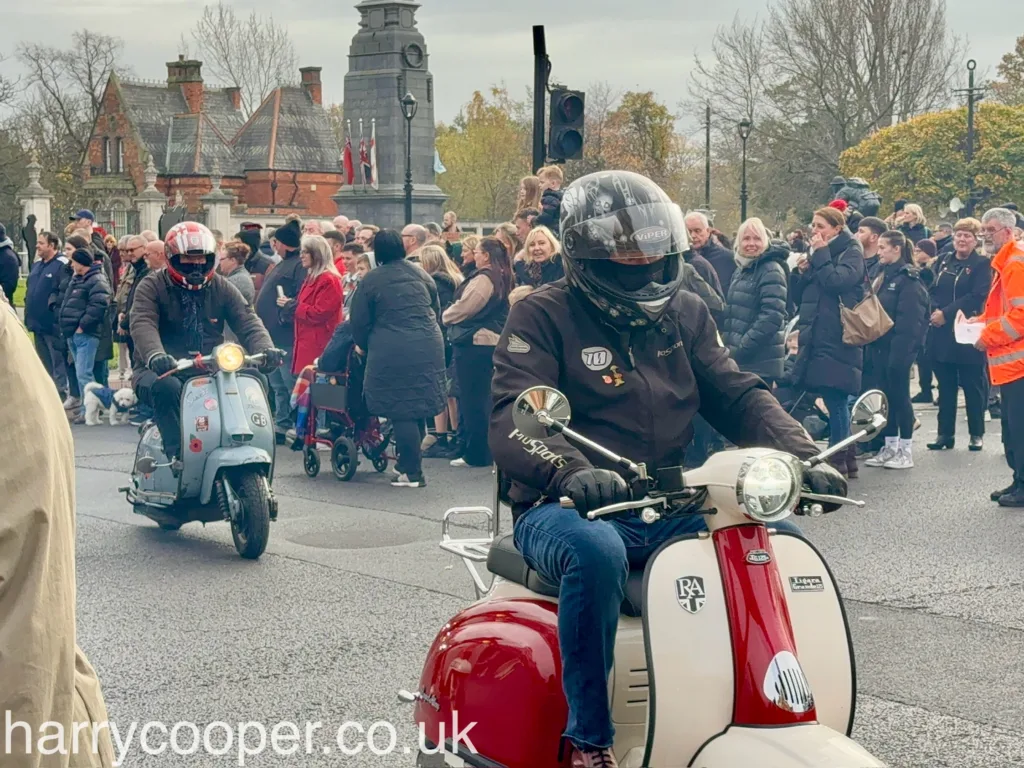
122	241
1004	216
698	215
420	233
320	253
133	238
758	226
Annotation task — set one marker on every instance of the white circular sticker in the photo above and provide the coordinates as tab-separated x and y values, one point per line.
597	358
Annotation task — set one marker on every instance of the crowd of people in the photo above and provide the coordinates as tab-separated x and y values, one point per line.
425	307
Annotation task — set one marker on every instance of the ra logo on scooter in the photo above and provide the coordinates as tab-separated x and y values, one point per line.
690	593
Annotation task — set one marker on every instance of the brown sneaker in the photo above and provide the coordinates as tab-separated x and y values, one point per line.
593	758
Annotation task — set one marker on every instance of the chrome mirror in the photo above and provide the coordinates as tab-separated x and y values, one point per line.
146	465
870	413
537	409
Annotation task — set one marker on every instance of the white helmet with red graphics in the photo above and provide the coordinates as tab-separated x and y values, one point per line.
192	240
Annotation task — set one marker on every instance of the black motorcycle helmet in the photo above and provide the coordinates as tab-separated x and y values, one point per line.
622	245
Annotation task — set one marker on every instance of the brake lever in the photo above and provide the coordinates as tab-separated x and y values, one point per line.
827	499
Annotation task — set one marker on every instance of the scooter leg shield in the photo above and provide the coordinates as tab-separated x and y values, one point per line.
801	746
493	680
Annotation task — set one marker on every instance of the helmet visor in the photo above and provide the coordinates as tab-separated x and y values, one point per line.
636	234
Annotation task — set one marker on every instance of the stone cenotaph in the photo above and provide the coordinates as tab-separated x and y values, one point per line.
387	59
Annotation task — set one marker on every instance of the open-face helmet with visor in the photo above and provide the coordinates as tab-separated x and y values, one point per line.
616	227
191	239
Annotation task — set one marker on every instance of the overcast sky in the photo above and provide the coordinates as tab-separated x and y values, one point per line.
632	44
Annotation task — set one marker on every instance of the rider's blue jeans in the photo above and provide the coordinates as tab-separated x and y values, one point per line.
590	560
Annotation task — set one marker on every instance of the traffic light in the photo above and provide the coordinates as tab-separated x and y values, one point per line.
565	138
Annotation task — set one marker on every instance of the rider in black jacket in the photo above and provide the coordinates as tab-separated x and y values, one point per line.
638	357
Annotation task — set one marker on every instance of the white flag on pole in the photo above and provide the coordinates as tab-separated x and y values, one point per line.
438	165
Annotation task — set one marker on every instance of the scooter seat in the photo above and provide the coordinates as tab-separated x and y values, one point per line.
504	560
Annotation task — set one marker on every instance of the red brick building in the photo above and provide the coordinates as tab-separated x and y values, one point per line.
284	159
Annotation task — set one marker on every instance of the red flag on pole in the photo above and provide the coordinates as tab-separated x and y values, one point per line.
350	171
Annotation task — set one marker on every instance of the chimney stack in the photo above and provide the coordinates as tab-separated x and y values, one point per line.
311	83
235	94
186	74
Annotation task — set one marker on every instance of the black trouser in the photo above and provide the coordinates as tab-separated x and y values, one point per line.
164	397
924	373
474	367
1013	427
101	372
971	377
901	412
408	434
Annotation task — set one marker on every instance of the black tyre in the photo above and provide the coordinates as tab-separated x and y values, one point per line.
311	461
344	459
252	532
380	464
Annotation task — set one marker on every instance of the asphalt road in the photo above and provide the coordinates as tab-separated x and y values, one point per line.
337	615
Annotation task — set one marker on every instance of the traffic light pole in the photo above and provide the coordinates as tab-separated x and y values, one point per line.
541	70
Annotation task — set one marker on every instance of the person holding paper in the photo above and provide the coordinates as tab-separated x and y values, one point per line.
1003	341
961	283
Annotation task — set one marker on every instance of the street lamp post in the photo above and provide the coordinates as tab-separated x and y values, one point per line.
744	128
409	111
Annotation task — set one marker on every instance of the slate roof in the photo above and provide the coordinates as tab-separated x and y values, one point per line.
288	132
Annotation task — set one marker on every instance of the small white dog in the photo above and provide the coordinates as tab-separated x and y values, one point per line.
113	403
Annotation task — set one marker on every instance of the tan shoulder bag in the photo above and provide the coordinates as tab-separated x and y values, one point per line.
866	322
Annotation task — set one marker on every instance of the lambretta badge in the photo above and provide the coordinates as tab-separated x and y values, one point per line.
535	447
517	345
690	593
597	358
806	584
758	557
785	685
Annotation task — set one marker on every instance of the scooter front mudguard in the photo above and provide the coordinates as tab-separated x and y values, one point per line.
497	665
801	746
235	456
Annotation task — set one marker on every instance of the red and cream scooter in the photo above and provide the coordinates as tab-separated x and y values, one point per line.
733	648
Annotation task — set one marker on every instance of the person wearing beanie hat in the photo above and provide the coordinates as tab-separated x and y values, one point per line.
83	313
286	279
258	263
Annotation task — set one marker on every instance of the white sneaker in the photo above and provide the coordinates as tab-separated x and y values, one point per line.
71	403
888	453
902	460
458	463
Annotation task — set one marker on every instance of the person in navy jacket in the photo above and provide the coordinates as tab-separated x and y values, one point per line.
44	292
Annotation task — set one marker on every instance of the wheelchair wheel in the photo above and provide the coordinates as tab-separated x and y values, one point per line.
380	463
344	459
311	461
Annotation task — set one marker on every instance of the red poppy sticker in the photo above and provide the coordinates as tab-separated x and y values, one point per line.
195	445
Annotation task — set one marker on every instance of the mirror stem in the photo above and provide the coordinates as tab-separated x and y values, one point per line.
576	436
824	455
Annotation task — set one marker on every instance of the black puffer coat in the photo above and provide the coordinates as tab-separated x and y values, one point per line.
445	296
755	315
836	273
85	304
905	299
395	319
550	210
536	275
916	232
958	285
721	259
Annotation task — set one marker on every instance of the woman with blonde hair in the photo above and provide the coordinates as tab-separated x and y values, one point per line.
754	322
529	193
318	311
913	223
447	277
508	235
542	260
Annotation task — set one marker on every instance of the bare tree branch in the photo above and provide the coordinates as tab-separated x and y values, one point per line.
254	53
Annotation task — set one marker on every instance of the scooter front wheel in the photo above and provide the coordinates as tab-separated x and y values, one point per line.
252	531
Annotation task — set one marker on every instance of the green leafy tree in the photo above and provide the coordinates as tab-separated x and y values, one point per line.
486	151
923	159
1010	90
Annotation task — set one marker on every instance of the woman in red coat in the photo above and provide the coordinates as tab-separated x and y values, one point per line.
318	311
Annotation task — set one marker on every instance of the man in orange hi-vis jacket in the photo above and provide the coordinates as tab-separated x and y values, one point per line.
1003	341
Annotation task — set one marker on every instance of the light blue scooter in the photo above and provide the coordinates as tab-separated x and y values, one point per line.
228	448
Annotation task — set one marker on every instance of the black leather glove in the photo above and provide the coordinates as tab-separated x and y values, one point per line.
272	359
825	479
162	363
592	488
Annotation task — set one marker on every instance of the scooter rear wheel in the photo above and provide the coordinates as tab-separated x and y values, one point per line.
252	532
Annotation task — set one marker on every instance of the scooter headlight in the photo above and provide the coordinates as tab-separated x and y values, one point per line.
229	357
769	487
